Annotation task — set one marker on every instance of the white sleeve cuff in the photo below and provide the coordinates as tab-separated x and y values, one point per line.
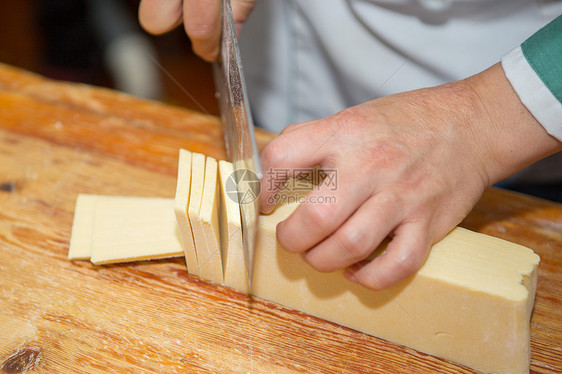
533	93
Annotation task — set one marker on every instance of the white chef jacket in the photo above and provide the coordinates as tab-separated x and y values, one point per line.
308	59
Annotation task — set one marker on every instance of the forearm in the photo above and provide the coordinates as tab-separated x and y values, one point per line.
512	136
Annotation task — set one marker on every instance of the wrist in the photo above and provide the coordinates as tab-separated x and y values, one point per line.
510	137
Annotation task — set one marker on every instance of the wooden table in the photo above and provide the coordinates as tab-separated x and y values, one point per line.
58	140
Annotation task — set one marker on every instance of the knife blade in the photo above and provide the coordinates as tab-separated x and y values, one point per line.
239	135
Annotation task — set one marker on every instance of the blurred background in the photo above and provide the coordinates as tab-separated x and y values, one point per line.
100	42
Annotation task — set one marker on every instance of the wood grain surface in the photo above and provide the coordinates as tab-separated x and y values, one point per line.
56	316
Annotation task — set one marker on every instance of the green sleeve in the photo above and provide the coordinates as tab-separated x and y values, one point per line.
543	51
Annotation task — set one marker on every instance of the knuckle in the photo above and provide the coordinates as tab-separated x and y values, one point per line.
353	242
273	154
322	216
343	117
388	198
407	263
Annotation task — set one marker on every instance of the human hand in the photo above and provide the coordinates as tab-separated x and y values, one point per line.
409	166
201	19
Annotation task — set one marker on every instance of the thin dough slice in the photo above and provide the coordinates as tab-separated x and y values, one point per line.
134	228
209	221
181	204
82	227
231	233
195	196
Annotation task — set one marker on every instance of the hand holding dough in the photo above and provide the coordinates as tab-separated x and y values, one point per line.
409	167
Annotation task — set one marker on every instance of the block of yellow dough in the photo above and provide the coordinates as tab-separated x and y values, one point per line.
82	226
134	228
470	303
181	204
231	233
209	223
194	206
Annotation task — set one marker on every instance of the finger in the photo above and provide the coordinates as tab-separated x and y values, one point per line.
325	209
358	237
404	255
158	16
202	22
241	10
297	149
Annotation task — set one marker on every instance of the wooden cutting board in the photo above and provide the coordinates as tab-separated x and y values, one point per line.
58	140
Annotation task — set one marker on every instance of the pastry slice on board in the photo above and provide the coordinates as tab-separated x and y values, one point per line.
209	223
194	206
82	226
231	231
181	205
111	229
133	228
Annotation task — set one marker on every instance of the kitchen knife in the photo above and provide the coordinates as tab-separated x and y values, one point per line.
239	135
